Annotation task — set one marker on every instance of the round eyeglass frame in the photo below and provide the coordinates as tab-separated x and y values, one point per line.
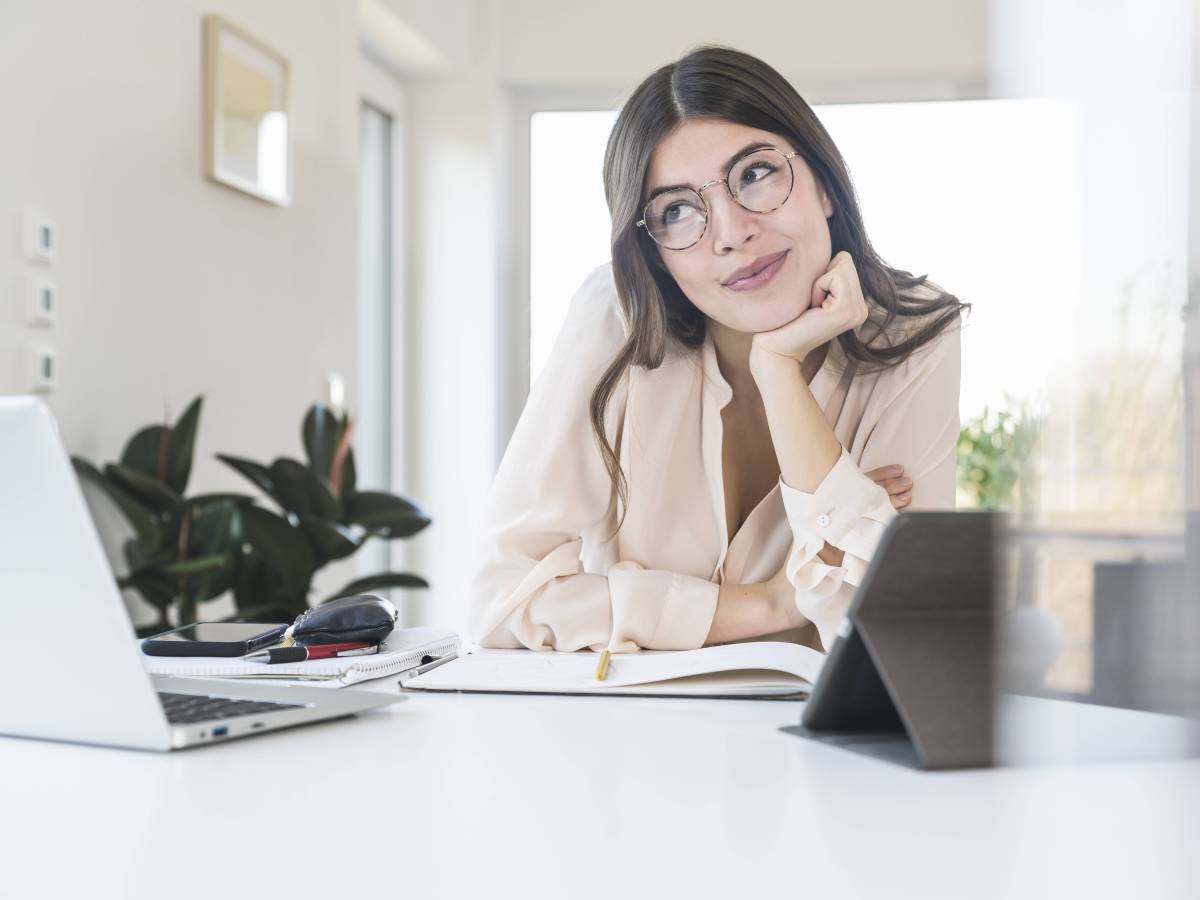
699	192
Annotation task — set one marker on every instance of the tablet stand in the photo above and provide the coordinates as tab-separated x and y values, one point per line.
912	682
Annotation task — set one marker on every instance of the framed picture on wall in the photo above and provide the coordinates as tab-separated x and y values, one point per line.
247	126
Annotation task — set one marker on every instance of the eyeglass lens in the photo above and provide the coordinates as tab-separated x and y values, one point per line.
760	182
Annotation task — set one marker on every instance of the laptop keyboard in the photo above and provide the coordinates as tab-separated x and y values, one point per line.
184	709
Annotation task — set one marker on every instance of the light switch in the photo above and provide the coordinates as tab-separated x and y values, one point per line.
41	237
43	369
41	301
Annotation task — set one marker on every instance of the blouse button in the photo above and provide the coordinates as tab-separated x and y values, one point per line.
823	520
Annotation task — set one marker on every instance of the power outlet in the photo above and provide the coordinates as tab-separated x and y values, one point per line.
41	237
41	301
43	365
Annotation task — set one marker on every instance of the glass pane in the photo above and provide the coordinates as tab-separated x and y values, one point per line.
1068	236
372	441
566	157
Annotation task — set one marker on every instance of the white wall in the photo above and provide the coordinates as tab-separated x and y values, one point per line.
171	285
822	47
467	220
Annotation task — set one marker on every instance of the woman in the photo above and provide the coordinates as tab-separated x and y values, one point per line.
736	406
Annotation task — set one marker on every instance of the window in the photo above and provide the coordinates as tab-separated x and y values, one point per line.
1070	248
568	217
375	267
377	410
982	196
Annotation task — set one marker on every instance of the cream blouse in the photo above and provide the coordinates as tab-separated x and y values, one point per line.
553	576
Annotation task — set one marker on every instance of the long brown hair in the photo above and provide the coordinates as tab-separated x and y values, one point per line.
721	83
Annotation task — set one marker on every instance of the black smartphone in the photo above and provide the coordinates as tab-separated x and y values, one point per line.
213	639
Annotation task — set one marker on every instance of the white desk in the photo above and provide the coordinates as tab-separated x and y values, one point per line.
503	796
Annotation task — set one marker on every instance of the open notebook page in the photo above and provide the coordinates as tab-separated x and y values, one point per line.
760	667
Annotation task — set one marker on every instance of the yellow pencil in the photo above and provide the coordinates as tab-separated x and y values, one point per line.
602	667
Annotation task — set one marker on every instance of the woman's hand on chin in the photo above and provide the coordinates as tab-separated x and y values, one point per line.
835	307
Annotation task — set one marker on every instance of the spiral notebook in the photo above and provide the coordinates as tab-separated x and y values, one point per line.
754	669
405	648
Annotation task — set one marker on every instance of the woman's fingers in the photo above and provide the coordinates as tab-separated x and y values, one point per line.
823	287
885	472
899	491
898	486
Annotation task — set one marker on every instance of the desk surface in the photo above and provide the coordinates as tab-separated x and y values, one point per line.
504	796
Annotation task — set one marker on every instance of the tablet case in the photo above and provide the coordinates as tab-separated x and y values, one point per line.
911	679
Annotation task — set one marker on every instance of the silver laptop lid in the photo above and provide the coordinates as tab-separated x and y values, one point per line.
72	667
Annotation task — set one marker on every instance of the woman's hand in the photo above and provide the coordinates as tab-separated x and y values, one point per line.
749	611
781	596
779	592
892	480
835	306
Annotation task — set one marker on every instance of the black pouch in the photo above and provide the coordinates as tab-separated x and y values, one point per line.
364	618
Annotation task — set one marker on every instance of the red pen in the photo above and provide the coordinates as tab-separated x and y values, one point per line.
300	652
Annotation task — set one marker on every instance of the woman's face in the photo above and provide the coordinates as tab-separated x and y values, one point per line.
796	235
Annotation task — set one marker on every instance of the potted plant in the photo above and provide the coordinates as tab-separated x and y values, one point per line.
994	453
322	516
188	550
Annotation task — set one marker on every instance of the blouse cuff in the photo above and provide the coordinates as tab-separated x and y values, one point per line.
848	511
679	620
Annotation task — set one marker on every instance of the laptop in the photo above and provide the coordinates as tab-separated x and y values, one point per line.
71	658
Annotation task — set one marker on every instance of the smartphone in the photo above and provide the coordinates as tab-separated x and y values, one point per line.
213	639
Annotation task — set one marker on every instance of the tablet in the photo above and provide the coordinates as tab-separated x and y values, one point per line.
914	654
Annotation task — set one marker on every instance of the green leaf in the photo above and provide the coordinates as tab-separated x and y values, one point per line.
301	491
331	540
137	558
212	584
216	527
143	522
385	514
147	451
349	475
283	547
255	582
256	473
191	503
197	566
994	451
158	590
152	492
321	432
182	445
379	582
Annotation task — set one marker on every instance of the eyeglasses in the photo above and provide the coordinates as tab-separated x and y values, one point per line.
760	181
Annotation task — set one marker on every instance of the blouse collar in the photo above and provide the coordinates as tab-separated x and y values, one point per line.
718	390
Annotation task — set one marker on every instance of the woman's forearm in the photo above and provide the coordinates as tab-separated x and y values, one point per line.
805	445
744	611
807	450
